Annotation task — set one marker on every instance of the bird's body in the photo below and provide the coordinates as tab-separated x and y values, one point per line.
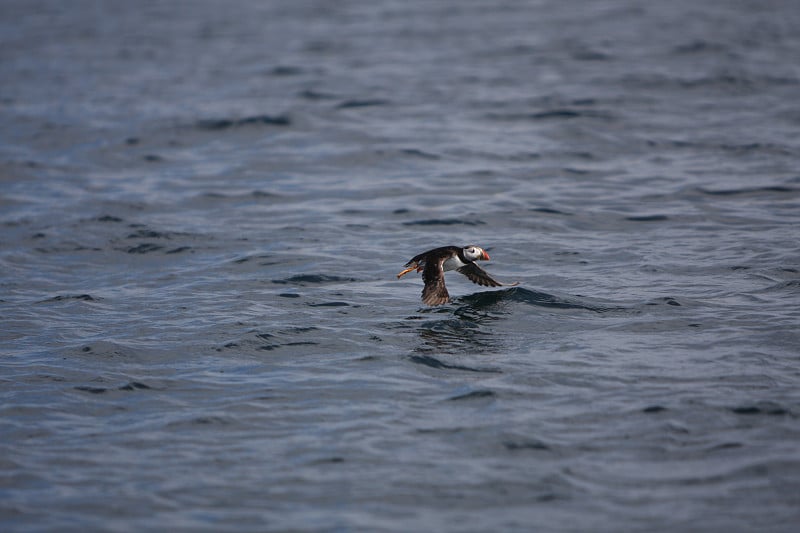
434	263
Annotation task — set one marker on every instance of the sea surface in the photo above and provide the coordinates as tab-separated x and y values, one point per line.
203	207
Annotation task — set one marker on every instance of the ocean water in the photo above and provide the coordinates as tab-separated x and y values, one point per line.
203	206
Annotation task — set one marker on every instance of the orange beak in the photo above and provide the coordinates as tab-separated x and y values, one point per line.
484	255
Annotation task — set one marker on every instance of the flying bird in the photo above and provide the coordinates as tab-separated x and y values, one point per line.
434	263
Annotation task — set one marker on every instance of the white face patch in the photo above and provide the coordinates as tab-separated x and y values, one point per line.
472	253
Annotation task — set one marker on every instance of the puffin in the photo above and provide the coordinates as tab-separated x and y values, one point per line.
434	263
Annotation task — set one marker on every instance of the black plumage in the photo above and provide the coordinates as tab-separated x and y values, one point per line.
434	263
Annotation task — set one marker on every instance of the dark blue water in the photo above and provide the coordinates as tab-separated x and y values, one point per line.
204	205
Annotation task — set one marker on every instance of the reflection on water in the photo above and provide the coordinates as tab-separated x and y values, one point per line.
456	336
469	325
466	326
497	322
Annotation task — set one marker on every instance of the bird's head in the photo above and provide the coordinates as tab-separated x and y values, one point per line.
475	253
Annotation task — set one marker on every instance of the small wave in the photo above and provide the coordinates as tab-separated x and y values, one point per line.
130	386
201	421
419	153
241	197
286	70
350	104
144	248
148	234
749	191
216	124
648	218
548	211
135	385
444	222
731	148
270	347
473	395
301	279
668	300
530	297
433	362
698	46
312	94
263	259
552	114
91	390
68	297
770	148
791	285
300	329
291	337
765	408
108	218
517	445
556	113
179	250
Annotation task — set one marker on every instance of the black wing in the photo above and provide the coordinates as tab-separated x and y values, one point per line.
433	255
434	292
478	275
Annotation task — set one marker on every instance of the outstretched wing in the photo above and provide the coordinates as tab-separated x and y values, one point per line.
478	275
434	292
